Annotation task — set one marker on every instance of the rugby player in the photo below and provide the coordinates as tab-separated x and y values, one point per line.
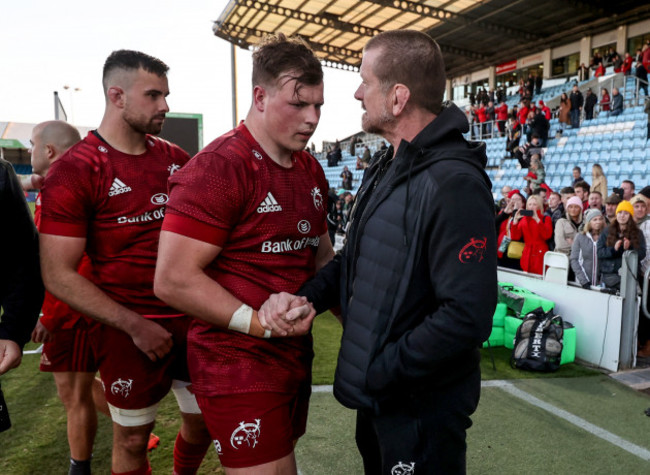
106	197
63	331
247	217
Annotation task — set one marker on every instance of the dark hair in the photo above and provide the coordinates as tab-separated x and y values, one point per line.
277	55
414	59
582	184
577	168
630	182
597	192
132	61
631	232
567	189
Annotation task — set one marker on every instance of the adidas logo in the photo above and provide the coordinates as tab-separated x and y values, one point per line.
118	187
269	205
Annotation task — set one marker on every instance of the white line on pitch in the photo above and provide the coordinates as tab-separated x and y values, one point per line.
573	419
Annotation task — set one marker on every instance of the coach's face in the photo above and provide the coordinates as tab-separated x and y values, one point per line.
373	98
145	103
292	112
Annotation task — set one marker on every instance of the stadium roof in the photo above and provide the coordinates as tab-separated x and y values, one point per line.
472	34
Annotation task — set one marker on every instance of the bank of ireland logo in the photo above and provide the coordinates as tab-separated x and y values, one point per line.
403	469
304	227
317	197
159	199
257	154
122	387
246	434
217	446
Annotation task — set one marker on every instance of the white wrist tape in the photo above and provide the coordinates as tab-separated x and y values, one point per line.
241	321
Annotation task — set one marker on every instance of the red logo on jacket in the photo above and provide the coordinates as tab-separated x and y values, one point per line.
473	250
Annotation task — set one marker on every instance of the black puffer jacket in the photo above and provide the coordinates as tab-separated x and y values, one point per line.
21	288
417	277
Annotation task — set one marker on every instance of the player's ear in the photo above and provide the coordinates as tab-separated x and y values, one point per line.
115	95
50	151
259	98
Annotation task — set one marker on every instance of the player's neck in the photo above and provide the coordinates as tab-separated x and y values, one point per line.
278	154
122	137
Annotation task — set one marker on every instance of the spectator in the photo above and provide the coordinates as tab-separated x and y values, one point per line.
627	63
645	56
535	231
582	191
640	203
346	176
505	190
628	189
590	101
334	156
617	102
622	235
564	115
576	100
525	153
503	221
364	160
502	116
333	215
577	175
611	203
513	133
544	109
584	250
598	180
617	62
600	71
583	72
642	75
481	115
538	83
605	101
490	117
596	201
566	228
539	126
555	208
611	55
538	171
566	193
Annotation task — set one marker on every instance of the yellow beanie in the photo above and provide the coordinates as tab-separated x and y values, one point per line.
625	206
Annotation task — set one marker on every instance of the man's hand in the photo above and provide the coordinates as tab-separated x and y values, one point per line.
286	314
152	339
10	355
41	334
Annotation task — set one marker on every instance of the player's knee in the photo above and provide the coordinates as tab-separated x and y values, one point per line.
133	440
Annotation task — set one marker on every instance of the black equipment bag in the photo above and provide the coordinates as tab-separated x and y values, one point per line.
538	342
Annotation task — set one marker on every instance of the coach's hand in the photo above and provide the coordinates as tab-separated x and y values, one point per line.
10	355
284	313
152	339
41	334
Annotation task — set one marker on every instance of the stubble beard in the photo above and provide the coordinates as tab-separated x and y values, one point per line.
379	125
143	125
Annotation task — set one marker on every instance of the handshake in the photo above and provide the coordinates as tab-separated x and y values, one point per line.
286	315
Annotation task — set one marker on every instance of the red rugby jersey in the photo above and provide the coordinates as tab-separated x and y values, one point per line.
268	221
117	202
56	313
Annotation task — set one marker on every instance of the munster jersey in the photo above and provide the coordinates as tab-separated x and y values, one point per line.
268	220
58	315
117	202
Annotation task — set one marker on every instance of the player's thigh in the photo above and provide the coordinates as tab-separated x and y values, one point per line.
253	429
74	387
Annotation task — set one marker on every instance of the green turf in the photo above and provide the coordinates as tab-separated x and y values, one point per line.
37	442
